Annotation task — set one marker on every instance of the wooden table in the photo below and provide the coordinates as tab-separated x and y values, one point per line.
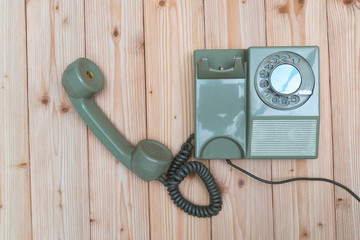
58	182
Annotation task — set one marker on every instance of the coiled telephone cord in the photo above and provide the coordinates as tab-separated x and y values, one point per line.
179	170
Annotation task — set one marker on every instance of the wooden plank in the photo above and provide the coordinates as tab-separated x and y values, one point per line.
344	45
15	205
115	41
304	210
247	210
173	30
58	136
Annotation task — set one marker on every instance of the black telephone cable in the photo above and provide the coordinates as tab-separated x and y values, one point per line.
294	179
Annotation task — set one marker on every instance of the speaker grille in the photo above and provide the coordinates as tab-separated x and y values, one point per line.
283	138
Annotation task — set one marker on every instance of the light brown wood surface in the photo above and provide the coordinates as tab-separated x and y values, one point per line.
57	181
58	138
344	50
15	203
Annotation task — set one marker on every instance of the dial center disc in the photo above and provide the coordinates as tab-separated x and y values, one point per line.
285	79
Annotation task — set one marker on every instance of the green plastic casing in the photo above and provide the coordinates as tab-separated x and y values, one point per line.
232	122
149	159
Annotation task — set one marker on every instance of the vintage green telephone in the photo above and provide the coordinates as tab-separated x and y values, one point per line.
262	102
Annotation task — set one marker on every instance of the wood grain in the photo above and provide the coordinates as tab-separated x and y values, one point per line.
115	41
57	181
304	210
173	30
245	215
58	139
344	45
15	203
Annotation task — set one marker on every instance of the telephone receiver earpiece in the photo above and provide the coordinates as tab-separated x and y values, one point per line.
149	159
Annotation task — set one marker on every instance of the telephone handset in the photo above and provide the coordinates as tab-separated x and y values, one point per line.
149	159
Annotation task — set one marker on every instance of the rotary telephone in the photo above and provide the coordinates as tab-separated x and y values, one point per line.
261	102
